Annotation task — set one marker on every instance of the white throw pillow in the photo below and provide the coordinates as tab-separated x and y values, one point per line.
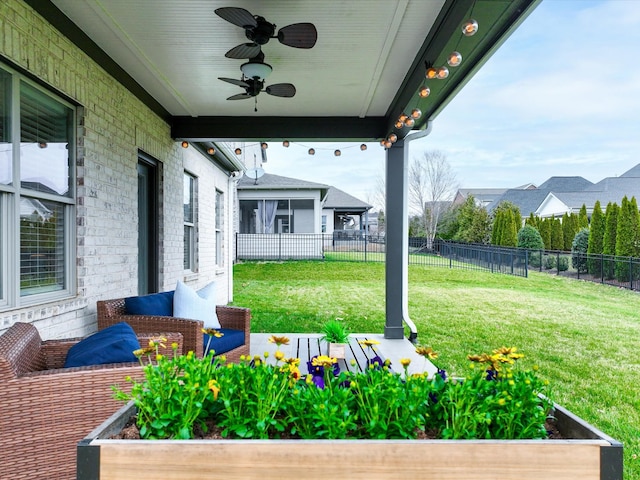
200	305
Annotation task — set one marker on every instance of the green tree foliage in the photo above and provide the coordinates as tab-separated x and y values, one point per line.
505	226
579	248
596	238
532	220
509	236
545	232
583	220
626	234
557	240
568	231
609	240
472	223
529	237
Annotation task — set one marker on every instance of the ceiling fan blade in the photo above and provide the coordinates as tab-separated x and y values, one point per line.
298	35
233	81
281	90
239	96
237	16
246	50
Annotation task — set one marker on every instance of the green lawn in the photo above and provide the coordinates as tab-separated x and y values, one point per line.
585	337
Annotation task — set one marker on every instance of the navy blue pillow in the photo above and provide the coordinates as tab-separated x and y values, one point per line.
114	344
230	340
154	304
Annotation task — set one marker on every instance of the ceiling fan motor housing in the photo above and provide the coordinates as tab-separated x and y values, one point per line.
261	33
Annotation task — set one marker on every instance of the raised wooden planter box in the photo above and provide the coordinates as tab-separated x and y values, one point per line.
589	455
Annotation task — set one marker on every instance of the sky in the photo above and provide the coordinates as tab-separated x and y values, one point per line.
560	97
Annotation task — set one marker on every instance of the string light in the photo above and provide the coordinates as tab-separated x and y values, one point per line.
469	28
363	147
285	144
185	144
416	113
264	145
431	73
337	153
443	72
211	151
238	151
393	138
424	91
454	59
312	151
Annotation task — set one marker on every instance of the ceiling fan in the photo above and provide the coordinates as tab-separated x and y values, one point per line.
260	31
254	73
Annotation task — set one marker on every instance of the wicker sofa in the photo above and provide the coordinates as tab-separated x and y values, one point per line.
47	409
237	318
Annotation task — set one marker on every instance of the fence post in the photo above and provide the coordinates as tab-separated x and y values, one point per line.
365	247
526	263
601	268
280	247
558	263
630	273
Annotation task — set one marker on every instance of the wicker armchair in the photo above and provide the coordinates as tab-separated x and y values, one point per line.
47	409
237	318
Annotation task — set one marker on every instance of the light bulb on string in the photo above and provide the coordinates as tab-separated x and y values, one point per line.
424	91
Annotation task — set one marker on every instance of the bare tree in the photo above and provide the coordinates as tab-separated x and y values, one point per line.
432	183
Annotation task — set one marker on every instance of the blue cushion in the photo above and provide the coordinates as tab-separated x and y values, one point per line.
153	304
230	340
114	344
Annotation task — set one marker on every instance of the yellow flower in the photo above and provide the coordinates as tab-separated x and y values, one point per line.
266	354
369	342
323	361
279	355
222	358
213	386
293	361
212	332
501	401
159	357
174	346
426	352
279	340
405	362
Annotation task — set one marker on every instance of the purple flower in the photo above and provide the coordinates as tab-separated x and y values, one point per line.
442	373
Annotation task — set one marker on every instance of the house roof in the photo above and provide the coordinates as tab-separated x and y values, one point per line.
364	71
527	201
269	181
565	184
339	200
632	172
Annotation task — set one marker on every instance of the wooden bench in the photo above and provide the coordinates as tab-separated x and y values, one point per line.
356	359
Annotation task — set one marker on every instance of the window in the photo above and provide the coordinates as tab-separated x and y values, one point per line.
277	216
219	227
188	204
324	224
37	198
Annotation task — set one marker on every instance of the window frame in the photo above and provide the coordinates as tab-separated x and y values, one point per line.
11	294
191	226
219	228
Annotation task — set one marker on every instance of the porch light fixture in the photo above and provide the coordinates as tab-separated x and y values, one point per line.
257	70
363	147
337	153
416	113
185	144
238	151
312	151
424	91
285	143
470	27
443	72
264	145
454	59
211	151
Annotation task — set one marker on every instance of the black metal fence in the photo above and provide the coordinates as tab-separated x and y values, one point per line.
372	248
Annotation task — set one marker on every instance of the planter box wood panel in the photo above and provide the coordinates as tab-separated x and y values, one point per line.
594	456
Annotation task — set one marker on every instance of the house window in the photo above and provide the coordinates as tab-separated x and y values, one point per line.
324	224
189	211
219	227
277	216
37	199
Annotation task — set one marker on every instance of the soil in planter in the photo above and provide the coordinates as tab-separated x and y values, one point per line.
214	432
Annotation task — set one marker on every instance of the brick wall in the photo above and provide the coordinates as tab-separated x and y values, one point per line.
113	126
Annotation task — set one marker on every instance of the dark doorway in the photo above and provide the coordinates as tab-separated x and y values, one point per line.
148	246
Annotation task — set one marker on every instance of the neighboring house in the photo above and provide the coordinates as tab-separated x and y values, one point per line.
529	201
560	195
276	204
273	204
98	200
482	196
344	214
